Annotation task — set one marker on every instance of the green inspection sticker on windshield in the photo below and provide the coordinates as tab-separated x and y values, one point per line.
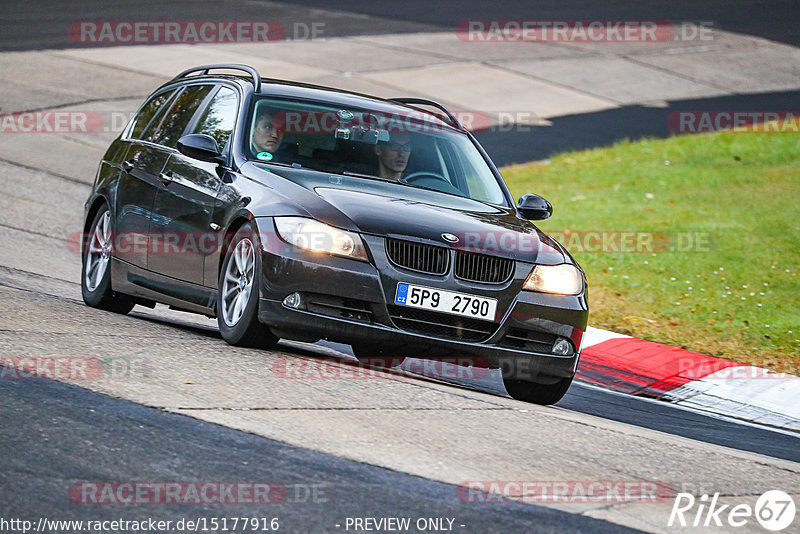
264	156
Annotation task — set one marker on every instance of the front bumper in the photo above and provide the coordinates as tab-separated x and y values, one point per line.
350	301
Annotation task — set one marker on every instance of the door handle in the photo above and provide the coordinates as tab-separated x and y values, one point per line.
127	166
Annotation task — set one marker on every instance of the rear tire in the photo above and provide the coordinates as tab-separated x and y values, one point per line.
97	251
238	292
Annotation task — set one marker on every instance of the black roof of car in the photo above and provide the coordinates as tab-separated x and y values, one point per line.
306	91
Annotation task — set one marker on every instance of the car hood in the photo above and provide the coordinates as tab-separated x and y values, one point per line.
395	210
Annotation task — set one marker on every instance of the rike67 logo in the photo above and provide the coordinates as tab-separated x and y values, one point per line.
774	511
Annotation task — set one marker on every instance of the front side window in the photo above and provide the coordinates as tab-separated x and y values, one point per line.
175	121
219	117
406	146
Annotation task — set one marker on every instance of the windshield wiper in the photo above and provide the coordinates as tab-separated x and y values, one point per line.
373	177
290	165
370	176
459	194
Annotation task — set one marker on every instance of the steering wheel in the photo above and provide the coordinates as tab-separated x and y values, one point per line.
431	180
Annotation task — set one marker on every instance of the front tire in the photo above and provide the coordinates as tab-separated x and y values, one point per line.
238	292
96	267
537	392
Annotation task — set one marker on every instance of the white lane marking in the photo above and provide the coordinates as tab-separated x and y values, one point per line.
593	336
692	409
745	392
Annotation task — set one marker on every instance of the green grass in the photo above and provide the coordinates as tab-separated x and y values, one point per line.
739	297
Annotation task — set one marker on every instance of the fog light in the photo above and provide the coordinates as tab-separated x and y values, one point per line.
562	347
292	301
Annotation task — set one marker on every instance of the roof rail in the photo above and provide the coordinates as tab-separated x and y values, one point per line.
426	102
232	66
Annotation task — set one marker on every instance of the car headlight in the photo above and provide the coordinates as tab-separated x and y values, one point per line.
563	279
319	237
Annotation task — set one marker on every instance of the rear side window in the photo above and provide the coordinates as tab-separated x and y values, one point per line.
219	117
148	112
180	113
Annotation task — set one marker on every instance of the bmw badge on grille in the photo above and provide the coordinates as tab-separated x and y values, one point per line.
452	238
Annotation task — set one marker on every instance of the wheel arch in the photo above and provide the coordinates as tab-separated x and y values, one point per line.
238	221
97	203
91	213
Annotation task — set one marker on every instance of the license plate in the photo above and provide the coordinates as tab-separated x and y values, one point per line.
440	300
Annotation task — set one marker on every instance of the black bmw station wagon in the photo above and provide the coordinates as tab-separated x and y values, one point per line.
294	211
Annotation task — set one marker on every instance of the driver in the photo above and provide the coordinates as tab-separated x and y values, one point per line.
268	133
393	156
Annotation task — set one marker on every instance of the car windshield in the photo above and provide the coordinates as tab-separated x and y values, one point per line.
410	147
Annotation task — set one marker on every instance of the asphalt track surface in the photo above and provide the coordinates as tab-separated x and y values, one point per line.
589	130
90	436
94	437
38	24
774	20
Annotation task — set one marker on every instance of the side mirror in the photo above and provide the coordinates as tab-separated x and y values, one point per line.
534	207
200	146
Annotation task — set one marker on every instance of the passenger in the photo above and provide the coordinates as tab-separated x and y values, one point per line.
393	156
268	133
